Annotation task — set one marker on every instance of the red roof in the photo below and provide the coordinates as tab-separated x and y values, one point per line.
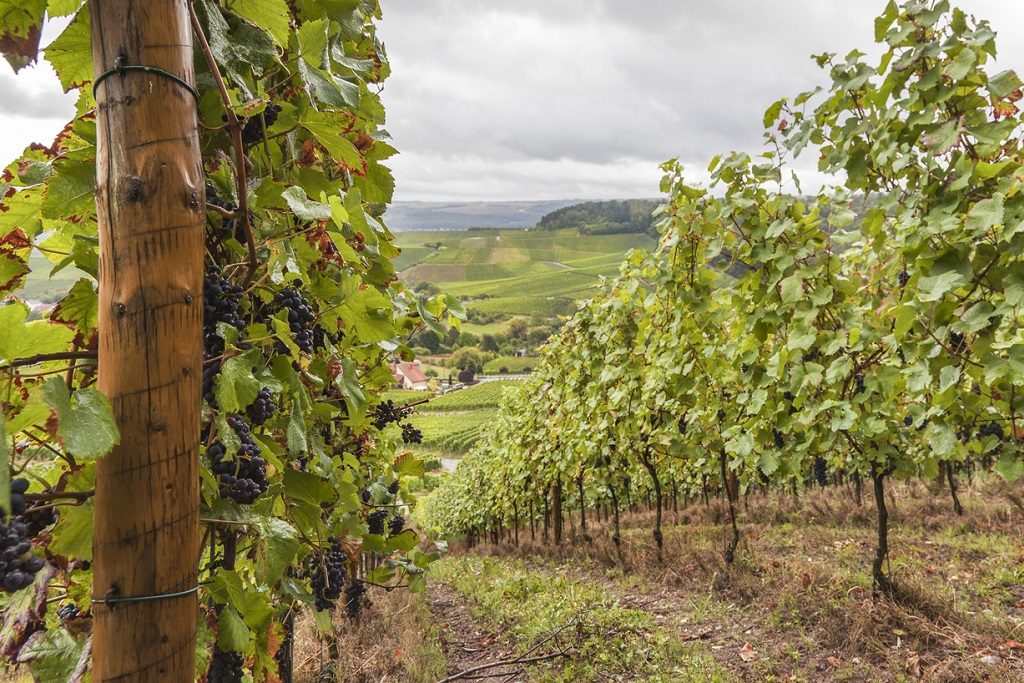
410	371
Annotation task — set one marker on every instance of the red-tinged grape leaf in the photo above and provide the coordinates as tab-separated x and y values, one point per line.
20	28
12	272
79	309
327	129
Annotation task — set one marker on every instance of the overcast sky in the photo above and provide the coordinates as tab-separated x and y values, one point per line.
549	99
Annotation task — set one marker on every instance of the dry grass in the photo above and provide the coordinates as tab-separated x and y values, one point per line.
393	640
800	588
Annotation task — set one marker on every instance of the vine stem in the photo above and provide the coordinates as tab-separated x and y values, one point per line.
44	357
236	140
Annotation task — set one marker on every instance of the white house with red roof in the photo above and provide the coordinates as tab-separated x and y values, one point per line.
410	376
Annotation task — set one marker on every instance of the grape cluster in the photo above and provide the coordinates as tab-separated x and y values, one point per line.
392	488
244	478
682	425
354	598
396	525
225	667
410	434
777	438
68	611
252	132
375	521
904	278
38	518
957	342
300	315
387	412
210	371
821	472
263	408
328	576
18	568
992	428
230	226
18	488
858	384
220	302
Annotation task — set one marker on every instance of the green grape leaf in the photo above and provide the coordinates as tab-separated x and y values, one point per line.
232	633
71	53
270	15
298	440
73	533
304	208
85	420
236	386
57	656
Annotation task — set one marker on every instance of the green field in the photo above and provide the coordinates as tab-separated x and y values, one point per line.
451	423
535	273
513	364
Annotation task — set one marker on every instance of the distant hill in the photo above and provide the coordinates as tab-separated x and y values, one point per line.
407	216
604	218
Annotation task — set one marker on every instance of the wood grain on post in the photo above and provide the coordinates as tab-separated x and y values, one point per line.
151	208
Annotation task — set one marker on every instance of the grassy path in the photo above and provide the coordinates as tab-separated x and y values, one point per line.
797	604
583	632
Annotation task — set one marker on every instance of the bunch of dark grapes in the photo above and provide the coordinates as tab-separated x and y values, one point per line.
396	525
18	488
210	371
300	315
38	518
387	412
375	521
243	479
777	438
18	568
220	303
392	488
366	495
225	667
858	384
904	278
68	611
354	598
230	225
263	408
410	434
252	132
682	425
992	428
957	342
821	472
328	575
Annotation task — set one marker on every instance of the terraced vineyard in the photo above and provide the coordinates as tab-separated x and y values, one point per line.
517	272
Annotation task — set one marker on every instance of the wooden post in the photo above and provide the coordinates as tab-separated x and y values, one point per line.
151	209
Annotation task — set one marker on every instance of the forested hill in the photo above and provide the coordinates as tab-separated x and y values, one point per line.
605	218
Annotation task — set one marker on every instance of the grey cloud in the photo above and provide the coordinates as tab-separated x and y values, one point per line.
42	103
594	94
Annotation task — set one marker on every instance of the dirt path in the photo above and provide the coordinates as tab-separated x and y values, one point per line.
466	643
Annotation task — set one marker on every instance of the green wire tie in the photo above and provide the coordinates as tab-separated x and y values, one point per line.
144	598
120	70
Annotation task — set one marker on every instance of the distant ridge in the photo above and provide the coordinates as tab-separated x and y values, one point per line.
408	216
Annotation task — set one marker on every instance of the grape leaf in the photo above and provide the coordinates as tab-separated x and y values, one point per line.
85	420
